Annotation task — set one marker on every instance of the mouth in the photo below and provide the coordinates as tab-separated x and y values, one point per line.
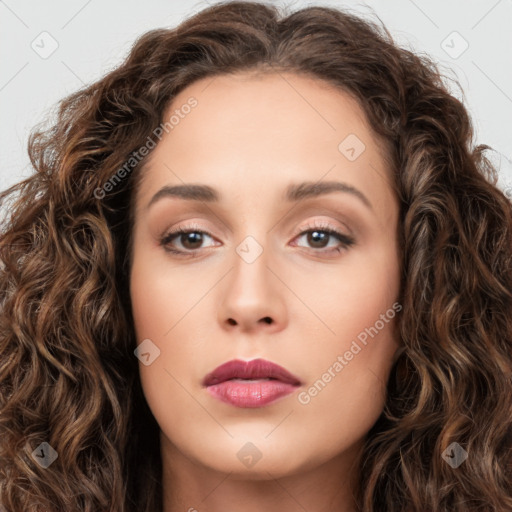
250	384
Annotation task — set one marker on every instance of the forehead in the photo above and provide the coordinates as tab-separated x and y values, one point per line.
268	109
248	129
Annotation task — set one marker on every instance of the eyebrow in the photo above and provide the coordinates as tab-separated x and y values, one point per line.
293	193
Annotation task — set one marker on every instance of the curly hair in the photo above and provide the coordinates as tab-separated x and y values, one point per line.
68	374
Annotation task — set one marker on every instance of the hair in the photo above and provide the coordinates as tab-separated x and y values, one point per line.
68	375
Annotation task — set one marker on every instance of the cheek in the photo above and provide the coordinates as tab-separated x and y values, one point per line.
163	307
356	303
347	391
349	366
160	294
159	315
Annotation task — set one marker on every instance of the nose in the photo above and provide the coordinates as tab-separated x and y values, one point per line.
252	297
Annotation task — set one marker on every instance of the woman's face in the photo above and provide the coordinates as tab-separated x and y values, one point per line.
258	277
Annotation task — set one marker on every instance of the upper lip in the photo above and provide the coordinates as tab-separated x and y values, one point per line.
254	369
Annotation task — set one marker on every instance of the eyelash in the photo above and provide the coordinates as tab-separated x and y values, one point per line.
345	240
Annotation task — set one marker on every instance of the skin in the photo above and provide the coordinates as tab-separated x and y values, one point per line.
250	137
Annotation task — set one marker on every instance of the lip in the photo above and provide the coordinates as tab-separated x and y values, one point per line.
250	384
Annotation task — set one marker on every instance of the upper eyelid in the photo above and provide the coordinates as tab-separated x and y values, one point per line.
315	224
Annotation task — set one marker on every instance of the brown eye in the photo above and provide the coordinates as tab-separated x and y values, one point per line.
190	240
319	238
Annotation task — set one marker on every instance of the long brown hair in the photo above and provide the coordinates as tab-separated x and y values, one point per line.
68	375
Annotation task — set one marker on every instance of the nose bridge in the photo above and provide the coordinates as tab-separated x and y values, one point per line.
252	233
250	261
251	292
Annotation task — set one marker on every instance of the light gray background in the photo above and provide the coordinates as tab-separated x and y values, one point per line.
93	37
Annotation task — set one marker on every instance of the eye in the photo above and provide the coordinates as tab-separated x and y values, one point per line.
319	235
191	238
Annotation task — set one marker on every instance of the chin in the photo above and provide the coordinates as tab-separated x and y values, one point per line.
257	458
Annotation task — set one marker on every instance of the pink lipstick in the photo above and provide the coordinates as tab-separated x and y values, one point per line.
250	383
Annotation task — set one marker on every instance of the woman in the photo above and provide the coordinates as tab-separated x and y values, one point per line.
260	266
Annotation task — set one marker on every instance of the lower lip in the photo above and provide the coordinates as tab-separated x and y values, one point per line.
245	393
